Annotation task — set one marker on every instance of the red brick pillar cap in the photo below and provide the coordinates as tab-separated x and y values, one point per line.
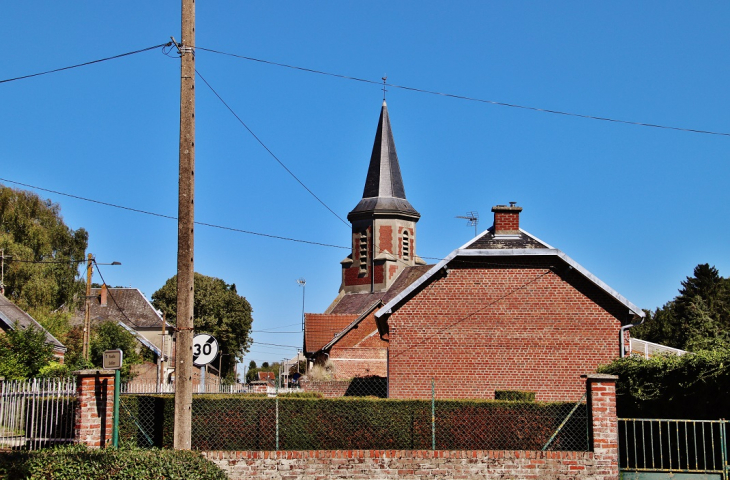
600	377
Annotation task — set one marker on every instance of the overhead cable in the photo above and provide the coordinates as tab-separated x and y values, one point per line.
85	63
471	99
170	217
269	150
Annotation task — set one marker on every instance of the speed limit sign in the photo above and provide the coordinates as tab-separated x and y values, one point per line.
205	349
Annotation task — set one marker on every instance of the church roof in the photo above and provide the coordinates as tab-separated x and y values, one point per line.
384	192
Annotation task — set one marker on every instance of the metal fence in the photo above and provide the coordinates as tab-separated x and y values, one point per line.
673	446
37	413
304	422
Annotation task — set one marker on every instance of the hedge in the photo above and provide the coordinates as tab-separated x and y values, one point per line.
691	386
77	462
243	422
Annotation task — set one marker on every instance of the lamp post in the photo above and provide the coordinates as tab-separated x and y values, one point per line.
90	261
302	283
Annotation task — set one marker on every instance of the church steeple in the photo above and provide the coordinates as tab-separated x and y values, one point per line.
384	192
383	222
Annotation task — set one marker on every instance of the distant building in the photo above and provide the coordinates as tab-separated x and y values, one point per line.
11	316
129	308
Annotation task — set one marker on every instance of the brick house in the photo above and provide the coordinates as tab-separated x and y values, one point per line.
382	264
130	309
12	316
504	312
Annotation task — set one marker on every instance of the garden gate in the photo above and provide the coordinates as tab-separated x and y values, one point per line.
678	449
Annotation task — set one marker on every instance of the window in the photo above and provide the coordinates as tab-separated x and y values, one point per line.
364	252
406	248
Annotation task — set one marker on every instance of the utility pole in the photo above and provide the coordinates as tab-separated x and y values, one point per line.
87	311
185	233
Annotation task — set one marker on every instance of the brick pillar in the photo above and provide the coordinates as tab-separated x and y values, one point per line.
94	407
601	389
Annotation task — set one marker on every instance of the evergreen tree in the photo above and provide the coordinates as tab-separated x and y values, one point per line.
698	318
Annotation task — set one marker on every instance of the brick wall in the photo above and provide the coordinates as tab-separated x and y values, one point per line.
329	389
599	464
483	328
93	427
94	407
409	464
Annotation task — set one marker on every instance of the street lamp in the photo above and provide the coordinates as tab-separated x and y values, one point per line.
302	283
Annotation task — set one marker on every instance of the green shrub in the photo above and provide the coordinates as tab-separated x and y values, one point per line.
514	396
695	385
76	462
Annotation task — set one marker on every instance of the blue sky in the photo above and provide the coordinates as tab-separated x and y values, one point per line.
639	207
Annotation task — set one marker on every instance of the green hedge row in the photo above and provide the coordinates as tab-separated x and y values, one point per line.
242	422
693	386
76	462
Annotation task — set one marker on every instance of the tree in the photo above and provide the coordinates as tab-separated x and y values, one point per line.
110	336
696	319
251	364
217	310
24	352
32	231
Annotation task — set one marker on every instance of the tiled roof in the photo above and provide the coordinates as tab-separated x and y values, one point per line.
10	314
356	303
127	305
488	241
320	328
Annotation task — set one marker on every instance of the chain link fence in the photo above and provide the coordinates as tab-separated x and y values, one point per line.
354	419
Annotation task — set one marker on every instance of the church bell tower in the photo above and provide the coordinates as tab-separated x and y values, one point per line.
383	222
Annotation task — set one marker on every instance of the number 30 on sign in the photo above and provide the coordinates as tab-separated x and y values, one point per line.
205	349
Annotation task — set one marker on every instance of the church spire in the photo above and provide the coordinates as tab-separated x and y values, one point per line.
384	192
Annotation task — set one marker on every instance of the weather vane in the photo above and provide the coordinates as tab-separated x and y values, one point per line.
384	90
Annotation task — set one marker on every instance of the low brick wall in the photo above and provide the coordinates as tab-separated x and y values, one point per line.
411	464
329	389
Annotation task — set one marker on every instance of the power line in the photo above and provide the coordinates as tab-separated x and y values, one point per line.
170	217
121	310
85	63
471	99
268	149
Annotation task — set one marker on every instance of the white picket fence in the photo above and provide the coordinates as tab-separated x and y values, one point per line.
37	413
138	388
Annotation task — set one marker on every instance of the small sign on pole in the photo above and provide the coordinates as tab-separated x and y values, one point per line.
112	360
205	349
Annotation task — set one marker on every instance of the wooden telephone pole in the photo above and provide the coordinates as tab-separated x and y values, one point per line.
185	233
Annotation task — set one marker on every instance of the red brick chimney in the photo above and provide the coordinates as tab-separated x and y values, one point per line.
103	295
507	219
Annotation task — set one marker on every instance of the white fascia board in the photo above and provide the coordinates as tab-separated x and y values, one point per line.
387	309
141	339
157	312
524	252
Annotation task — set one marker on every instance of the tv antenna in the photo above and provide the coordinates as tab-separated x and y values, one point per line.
473	218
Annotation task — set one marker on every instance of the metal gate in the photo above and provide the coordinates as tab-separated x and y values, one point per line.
661	448
36	413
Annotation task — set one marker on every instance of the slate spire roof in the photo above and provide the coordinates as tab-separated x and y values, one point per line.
384	192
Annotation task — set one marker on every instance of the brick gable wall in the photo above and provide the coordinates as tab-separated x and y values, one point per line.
481	329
